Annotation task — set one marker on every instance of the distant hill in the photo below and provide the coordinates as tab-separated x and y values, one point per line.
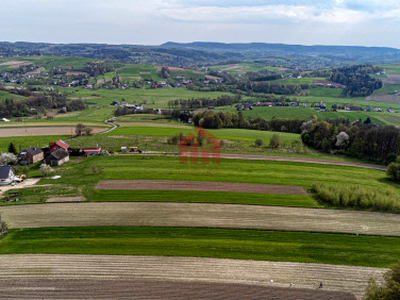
198	54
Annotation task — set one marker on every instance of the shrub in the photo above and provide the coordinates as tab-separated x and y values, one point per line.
275	141
393	171
391	289
258	142
46	169
383	199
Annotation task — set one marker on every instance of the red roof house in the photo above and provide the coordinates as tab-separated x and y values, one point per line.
60	144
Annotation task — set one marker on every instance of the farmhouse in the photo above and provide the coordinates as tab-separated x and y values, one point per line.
7	175
57	158
30	155
60	144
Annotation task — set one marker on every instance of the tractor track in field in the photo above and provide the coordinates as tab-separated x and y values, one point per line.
167	214
79	276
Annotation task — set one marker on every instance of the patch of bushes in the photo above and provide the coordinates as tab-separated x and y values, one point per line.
356	196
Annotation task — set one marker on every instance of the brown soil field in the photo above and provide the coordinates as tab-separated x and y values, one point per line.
132	77
84	98
154	289
200	215
185	274
197	72
172	69
35	72
44	124
384	98
212	77
15	63
65	199
35	131
199	186
75	73
391	79
145	73
304	160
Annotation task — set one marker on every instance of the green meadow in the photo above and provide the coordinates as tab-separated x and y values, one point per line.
373	251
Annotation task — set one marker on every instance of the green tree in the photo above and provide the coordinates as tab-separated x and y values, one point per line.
393	171
258	142
12	149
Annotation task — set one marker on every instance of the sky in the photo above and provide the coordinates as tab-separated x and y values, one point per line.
153	22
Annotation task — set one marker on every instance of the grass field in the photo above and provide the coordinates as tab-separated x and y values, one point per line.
229	134
22	142
219	243
388	89
203	197
78	174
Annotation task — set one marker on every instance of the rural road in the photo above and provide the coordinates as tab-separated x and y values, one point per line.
200	215
51	275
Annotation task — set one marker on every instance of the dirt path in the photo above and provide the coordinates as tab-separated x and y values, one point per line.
17	269
200	215
199	186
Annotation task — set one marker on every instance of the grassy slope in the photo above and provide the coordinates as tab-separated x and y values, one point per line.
198	242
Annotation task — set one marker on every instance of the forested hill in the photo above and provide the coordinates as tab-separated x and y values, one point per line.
204	53
283	49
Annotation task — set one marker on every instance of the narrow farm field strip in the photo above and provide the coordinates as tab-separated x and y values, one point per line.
111	288
187	269
152	124
199	186
41	131
200	215
341	249
305	160
202	197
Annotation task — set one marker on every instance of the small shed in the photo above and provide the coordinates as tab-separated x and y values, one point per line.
57	158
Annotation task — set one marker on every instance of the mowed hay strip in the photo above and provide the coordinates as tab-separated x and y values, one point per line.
200	215
188	269
200	186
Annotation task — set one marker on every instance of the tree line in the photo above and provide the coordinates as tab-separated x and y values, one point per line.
224	100
39	104
217	120
365	141
357	80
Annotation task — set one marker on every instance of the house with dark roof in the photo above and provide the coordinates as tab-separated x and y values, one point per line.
60	144
7	175
57	158
30	155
